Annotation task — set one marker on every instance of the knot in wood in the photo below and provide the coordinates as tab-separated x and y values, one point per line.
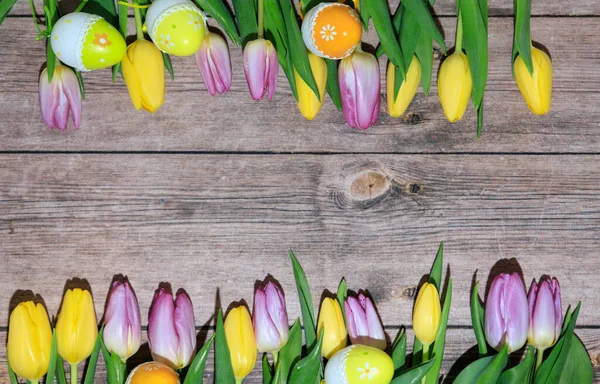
412	118
369	185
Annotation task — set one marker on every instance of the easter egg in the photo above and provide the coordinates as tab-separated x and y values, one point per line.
86	42
152	373
331	30
177	27
359	364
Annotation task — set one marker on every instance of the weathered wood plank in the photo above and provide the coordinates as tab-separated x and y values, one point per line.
457	352
217	223
191	120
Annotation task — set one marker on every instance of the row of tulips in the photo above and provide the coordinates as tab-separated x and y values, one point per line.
511	317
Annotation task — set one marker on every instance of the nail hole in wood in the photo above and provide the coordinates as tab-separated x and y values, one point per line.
414	188
410	292
412	118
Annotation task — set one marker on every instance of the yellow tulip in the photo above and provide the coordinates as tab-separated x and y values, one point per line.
76	327
536	88
408	88
144	74
426	314
308	103
335	336
240	340
455	85
29	341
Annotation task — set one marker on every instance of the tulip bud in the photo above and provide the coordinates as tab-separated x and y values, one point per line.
455	85
506	317
144	73
260	67
426	314
536	87
331	319
407	90
122	326
240	340
359	86
76	327
308	103
269	318
545	313
212	60
59	96
29	341
364	326
172	330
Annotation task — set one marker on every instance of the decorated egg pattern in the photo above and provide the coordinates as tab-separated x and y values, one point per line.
177	27
152	373
359	364
331	30
87	42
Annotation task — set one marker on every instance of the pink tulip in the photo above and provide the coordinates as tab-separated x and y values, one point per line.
506	315
214	64
59	96
359	86
260	66
122	326
269	319
171	330
545	313
364	326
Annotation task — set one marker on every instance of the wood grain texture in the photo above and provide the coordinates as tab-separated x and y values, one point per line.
218	223
457	354
191	120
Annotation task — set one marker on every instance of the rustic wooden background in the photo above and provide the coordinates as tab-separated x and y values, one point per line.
210	193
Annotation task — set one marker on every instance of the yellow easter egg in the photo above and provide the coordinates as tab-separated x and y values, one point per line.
359	364
177	27
152	373
87	42
331	30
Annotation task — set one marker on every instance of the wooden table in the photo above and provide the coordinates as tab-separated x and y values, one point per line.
210	193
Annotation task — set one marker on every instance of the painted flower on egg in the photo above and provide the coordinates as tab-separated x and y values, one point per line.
331	30
177	27
86	42
359	364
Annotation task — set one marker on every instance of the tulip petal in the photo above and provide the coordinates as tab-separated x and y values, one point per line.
149	65
131	77
272	69
162	336
76	327
494	326
557	306
241	341
115	333
517	317
72	92
185	328
49	94
255	68
376	332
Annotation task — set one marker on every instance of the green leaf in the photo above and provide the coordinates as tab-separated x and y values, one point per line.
396	23
399	350
408	31
480	119
5	7
420	11
53	358
297	48
306	304
414	375
342	295
267	371
435	275
308	5
104	8
50	59
195	372
81	85
290	353
493	371
93	361
168	65
333	85
223	367
476	45
115	70
578	367
477	318
417	352
11	373
522	373
219	11
522	37
245	14
109	362
60	371
440	339
470	374
363	12
380	13
307	370
424	52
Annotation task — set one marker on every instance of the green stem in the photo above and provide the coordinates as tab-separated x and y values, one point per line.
74	379
539	358
459	33
261	17
275	358
138	23
424	359
34	381
33	15
80	6
238	381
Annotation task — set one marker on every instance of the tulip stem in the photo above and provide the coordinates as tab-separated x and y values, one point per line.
459	33
138	23
238	381
34	381
261	17
424	359
80	6
539	358
275	358
74	379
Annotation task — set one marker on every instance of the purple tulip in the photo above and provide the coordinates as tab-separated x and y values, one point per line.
545	313
261	66
214	64
171	330
506	317
269	319
364	326
359	86
122	326
59	96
